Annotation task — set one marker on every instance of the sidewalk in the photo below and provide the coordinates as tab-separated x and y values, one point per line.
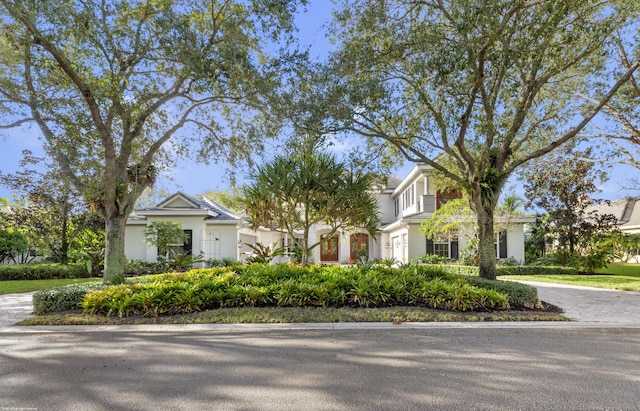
588	307
15	308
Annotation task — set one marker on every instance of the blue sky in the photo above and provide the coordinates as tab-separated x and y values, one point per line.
195	178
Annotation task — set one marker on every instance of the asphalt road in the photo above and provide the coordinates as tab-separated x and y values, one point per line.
399	368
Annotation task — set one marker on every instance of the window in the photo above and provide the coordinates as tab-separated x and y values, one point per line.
178	249
446	248
409	197
441	249
500	244
397	203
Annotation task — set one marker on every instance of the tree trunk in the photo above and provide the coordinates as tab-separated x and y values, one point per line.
483	202
305	248
114	258
486	244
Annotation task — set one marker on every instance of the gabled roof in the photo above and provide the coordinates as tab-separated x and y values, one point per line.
181	203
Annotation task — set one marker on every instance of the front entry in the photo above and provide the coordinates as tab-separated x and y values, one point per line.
329	249
359	246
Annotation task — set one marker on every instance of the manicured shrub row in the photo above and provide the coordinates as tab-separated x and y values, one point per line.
41	272
135	268
283	285
64	298
469	270
535	270
458	269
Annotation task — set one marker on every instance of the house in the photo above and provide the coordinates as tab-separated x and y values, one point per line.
627	214
212	230
625	210
216	232
414	199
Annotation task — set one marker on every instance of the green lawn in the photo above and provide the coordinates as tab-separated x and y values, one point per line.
616	276
628	270
10	287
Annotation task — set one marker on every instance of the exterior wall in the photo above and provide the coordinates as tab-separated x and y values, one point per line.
386	208
135	247
204	239
225	247
515	242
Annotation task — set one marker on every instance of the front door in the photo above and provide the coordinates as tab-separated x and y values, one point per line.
359	246
329	249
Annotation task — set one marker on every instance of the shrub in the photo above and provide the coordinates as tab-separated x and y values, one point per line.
535	270
455	269
511	261
519	294
286	285
139	267
64	298
41	272
431	259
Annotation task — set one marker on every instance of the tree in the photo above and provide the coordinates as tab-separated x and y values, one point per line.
294	193
473	89
231	199
51	212
12	242
164	234
455	219
563	184
623	133
110	83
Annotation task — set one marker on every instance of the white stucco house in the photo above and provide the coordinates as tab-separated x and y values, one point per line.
216	232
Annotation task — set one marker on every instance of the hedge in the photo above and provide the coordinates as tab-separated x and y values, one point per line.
506	270
535	270
41	271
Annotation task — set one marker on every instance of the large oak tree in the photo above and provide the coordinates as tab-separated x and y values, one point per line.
472	88
118	87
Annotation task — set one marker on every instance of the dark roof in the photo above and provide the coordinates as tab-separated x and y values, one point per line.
625	210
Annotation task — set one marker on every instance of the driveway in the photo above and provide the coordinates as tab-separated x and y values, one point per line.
593	306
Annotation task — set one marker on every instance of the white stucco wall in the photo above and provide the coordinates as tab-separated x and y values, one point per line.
134	244
515	242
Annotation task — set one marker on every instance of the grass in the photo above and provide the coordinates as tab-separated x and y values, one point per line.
25	286
272	315
625	277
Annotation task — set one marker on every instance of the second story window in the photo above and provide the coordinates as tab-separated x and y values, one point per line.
409	197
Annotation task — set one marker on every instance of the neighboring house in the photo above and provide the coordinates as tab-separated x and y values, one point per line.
217	232
625	210
627	213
